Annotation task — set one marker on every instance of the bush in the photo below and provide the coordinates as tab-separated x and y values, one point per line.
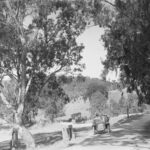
98	103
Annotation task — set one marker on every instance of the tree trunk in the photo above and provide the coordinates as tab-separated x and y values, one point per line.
24	133
14	141
128	112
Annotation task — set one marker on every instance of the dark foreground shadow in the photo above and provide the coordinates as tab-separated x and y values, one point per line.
128	120
47	138
40	139
123	134
43	139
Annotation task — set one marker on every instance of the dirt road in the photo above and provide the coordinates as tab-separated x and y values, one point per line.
127	134
131	134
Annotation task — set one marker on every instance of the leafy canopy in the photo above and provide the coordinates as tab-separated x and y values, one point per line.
128	46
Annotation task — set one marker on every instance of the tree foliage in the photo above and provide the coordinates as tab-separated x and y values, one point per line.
47	46
128	47
122	102
98	103
94	87
128	104
97	93
51	99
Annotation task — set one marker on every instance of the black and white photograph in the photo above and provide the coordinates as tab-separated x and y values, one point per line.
74	74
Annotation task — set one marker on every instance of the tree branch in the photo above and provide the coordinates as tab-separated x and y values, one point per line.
7	73
48	78
115	6
106	1
3	98
28	85
19	28
18	8
59	69
11	75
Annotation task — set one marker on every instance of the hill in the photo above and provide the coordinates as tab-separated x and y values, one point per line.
77	87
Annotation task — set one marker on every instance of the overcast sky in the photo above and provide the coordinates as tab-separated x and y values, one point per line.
94	52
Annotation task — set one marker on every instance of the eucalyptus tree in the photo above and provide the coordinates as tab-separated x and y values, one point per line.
128	48
47	45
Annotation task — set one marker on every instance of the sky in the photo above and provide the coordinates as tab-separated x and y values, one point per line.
94	52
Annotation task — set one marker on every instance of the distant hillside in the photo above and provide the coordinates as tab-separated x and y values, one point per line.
87	95
76	88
